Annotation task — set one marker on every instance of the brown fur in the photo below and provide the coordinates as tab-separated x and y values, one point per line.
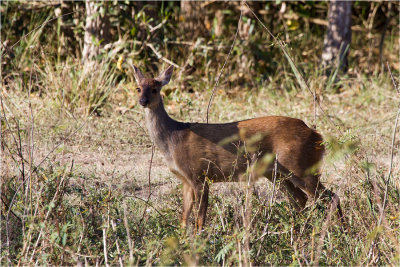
197	152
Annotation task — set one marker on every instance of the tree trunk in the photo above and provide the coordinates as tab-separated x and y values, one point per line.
67	38
192	17
338	37
97	30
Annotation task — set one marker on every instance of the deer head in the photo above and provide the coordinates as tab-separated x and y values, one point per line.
149	88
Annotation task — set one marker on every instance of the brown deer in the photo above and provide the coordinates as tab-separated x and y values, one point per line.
198	153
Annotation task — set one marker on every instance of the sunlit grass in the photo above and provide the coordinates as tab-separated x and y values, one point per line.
75	163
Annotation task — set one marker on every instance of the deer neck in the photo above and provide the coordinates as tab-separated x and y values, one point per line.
163	130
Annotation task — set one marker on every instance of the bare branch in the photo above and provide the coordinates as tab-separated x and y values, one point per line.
223	66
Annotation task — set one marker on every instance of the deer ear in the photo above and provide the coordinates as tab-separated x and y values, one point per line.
137	74
165	76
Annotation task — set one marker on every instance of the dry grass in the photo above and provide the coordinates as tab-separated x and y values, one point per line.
75	159
110	157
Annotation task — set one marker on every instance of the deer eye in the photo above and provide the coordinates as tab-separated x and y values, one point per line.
154	91
138	89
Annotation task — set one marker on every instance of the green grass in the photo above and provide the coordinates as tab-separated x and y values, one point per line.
75	163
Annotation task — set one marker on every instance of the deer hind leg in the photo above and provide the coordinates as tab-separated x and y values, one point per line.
201	192
315	189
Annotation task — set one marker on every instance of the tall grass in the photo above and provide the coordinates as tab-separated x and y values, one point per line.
58	209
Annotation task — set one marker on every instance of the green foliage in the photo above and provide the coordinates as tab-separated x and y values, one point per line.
60	213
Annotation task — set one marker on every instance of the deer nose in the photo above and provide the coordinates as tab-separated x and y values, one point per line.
144	102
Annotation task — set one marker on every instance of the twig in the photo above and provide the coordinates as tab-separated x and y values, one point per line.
154	208
137	123
128	236
265	231
19	148
3	108
149	175
220	216
152	29
149	181
226	60
1	184
117	243
251	177
382	211
148	204
159	56
7	207
294	16
194	44
322	236
391	154
30	157
105	245
393	81
28	237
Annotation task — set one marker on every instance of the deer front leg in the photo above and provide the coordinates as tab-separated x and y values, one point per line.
188	198
295	195
201	195
313	187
